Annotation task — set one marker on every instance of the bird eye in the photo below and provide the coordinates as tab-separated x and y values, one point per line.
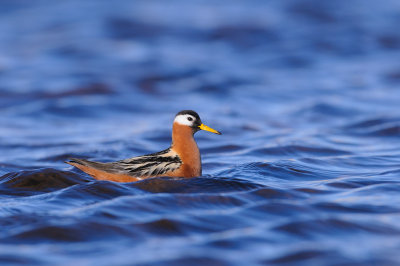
190	119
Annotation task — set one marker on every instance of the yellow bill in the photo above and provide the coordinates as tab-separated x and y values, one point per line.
207	128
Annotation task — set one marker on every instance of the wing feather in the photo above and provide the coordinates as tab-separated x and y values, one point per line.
155	164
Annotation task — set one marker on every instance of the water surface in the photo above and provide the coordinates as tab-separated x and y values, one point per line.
306	94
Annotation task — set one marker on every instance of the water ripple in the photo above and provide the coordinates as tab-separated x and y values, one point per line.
306	95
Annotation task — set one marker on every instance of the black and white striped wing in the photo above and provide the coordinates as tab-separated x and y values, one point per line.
155	164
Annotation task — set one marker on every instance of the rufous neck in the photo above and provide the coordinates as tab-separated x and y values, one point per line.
182	137
185	146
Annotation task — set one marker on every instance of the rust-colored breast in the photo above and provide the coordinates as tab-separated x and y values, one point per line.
185	146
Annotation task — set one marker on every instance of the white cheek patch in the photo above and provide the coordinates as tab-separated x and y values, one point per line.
183	120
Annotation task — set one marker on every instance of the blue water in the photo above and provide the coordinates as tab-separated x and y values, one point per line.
306	93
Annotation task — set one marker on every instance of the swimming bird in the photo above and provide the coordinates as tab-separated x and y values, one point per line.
181	159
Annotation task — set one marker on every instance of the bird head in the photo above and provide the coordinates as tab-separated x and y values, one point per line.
192	119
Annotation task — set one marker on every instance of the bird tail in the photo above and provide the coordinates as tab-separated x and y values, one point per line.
84	164
74	161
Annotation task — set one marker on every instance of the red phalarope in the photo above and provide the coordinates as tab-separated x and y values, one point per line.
181	159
